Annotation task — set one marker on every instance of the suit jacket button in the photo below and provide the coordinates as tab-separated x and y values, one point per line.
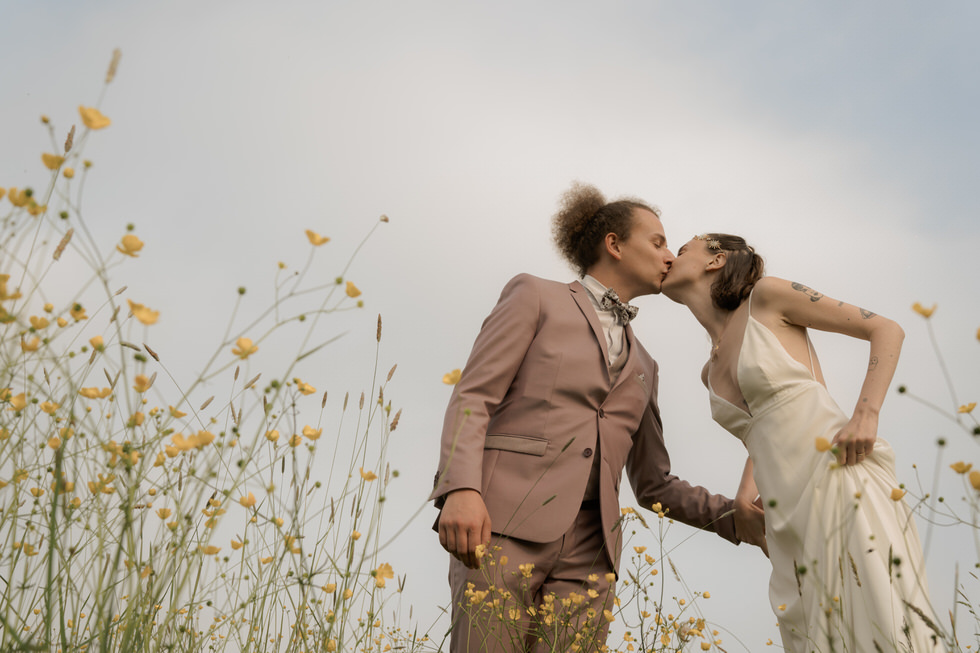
587	453
602	413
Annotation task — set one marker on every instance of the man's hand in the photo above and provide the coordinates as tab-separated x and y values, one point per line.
464	523
750	524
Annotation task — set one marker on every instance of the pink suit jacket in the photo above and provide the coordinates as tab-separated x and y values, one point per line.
535	403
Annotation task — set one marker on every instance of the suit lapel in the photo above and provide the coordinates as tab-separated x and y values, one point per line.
580	295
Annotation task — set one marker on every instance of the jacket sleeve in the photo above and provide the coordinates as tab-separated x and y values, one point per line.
493	364
648	469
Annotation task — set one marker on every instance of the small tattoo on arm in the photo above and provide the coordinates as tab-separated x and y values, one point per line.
873	363
839	304
866	314
809	292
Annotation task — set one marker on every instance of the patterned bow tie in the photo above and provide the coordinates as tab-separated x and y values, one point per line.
611	302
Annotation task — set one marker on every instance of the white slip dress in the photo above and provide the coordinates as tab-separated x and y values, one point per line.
847	567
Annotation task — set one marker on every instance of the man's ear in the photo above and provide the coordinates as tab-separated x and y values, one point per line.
612	244
717	261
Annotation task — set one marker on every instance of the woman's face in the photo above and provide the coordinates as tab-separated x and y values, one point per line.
689	265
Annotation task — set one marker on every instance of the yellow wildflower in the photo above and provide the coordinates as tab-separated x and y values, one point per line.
329	588
295	440
961	467
39	322
383	571
54	442
235	545
267	560
352	290
36	491
922	310
141	383
316	239
355	535
52	161
143	313
248	500
68	173
348	593
62	322
610	577
98	344
897	494
77	311
163	513
95	393
311	433
130	245
526	569
209	550
823	444
272	436
244	348
93	118
368	476
782	608
49	407
975	479
304	388
608	615
30	346
452	378
17	402
639	549
967	408
705	646
19	198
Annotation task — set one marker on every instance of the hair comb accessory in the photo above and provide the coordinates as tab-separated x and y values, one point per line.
710	242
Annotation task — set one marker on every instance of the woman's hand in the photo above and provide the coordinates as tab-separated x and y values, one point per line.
855	441
750	523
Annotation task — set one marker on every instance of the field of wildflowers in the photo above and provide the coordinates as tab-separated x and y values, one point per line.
137	519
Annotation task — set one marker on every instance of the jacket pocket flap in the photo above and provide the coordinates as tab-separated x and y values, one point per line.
517	444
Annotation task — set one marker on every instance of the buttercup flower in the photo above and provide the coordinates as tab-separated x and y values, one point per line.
244	348
52	161
49	407
329	588
175	413
30	346
141	383
68	173
163	513
452	378
316	239
526	569
823	444
311	433
209	550
17	402
383	571
897	493
77	311
368	476
352	290
975	479
98	344
143	313
39	322
922	310
295	440
235	545
961	467
247	501
130	245
968	408
304	388
272	436
93	118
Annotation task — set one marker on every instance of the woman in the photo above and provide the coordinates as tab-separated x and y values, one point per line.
848	573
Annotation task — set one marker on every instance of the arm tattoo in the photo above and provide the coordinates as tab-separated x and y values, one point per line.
809	292
866	314
873	363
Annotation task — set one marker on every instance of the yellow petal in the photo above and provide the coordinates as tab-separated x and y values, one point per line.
130	245
368	476
175	413
97	343
311	433
143	313
968	408
452	378
209	550
52	161
39	322
93	118
823	444
961	467
922	310
897	494
244	348
235	545
316	239
248	501
975	479
272	436
68	173
352	290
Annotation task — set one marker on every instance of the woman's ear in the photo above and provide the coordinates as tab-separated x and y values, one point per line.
717	261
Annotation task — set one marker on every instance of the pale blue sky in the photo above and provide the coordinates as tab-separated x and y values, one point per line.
840	139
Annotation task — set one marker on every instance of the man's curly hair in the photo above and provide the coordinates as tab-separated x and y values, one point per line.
583	220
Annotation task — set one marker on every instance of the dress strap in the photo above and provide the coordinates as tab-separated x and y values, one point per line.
809	353
750	300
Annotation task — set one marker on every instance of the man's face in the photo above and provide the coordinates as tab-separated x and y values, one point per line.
645	257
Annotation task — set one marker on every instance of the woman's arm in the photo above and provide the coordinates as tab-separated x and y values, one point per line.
797	304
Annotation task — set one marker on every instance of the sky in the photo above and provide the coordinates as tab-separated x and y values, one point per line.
839	139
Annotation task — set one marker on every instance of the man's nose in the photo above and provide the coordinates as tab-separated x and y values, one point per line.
670	257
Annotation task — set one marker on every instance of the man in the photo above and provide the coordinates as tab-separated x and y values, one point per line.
556	399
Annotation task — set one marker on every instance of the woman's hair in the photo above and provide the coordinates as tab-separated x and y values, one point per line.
583	220
743	268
